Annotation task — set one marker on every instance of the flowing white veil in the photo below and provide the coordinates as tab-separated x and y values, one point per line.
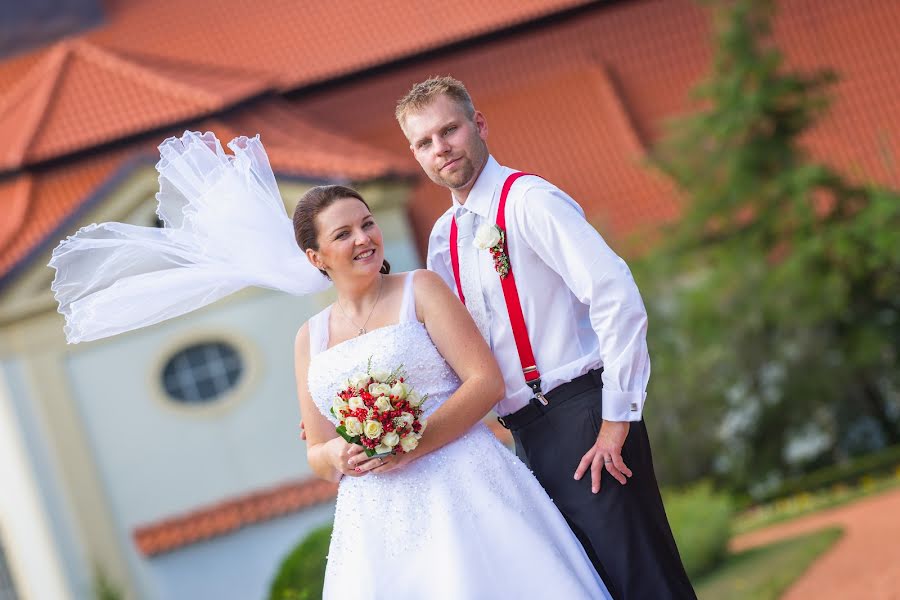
225	229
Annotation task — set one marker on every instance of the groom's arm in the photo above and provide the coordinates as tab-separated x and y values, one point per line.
553	225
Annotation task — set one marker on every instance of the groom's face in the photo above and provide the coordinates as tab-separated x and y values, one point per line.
450	147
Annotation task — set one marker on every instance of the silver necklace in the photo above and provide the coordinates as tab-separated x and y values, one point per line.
362	330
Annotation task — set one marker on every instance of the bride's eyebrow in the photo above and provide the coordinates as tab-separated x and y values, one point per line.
338	228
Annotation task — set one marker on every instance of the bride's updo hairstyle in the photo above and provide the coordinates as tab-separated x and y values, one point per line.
308	208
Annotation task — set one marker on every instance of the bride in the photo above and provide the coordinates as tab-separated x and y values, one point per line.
458	517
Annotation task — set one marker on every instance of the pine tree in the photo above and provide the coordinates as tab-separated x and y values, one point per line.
783	277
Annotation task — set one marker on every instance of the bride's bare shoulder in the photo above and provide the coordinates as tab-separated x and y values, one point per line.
431	293
428	281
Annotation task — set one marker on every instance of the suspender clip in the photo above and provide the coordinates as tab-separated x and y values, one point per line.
535	385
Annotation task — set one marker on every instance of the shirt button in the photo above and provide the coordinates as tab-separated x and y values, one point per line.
634	407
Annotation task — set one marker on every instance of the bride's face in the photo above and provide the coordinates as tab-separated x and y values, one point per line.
349	240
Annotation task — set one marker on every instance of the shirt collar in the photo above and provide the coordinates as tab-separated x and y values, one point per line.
481	196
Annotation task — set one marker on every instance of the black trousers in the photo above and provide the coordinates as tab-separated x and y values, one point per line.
623	528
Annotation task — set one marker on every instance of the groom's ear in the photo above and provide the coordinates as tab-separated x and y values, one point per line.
480	124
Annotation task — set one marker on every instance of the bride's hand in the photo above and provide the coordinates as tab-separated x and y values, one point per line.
382	464
342	455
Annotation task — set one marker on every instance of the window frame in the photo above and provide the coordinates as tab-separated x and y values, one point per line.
248	353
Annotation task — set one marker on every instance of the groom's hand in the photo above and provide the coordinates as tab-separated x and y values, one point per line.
606	452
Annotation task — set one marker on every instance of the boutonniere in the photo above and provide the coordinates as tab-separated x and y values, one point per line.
492	238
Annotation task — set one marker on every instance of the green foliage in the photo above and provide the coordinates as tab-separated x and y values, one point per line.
871	465
302	573
764	573
105	588
775	301
701	523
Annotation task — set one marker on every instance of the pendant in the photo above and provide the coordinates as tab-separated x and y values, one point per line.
361	331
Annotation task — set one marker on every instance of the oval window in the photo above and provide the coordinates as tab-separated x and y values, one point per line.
202	373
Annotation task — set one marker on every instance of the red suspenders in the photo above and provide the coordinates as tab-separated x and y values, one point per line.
510	294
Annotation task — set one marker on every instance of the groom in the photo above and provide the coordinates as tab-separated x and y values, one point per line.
565	321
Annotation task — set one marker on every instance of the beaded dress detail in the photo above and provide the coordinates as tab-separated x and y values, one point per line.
468	521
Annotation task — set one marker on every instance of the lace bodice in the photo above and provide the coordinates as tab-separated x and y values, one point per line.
404	343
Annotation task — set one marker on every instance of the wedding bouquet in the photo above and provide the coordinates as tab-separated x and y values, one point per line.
380	411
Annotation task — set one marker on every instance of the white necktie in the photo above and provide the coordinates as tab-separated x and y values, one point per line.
470	274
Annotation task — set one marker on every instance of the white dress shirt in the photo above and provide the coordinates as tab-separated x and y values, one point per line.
581	305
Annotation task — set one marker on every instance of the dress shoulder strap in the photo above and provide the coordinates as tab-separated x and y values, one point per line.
318	332
408	305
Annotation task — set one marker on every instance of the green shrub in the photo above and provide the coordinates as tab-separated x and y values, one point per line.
701	522
876	463
302	573
104	587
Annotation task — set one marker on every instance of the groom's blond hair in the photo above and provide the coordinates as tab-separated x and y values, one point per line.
424	93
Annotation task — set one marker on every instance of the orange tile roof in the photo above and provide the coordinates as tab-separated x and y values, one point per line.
299	147
157	62
575	99
80	95
46	200
300	43
16	194
579	99
230	515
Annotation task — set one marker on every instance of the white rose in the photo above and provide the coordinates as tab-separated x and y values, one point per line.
486	237
390	439
360	380
404	420
382	449
372	429
380	389
415	399
353	426
409	443
356	402
381	376
400	390
338	404
383	404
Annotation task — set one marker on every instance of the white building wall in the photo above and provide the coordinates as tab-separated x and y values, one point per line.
158	459
36	541
155	459
240	566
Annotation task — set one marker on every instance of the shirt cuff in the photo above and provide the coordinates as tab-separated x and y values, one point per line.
623	406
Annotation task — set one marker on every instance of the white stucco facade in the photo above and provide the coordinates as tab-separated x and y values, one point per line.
92	447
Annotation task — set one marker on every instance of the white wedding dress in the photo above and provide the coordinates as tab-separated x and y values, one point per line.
468	521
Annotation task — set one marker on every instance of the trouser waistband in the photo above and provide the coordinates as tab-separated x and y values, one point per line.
535	410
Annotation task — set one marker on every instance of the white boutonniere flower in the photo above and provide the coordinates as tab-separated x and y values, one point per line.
487	237
493	239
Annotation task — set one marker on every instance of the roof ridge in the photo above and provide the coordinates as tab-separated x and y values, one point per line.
125	63
43	78
610	89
